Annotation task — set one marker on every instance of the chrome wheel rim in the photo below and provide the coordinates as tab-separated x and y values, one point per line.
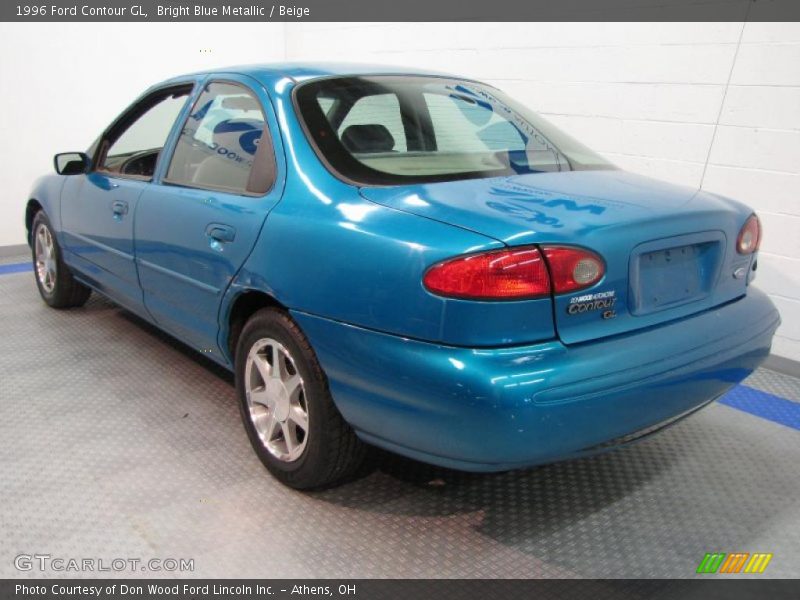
45	258
276	400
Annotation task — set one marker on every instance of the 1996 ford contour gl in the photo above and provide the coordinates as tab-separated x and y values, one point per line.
409	260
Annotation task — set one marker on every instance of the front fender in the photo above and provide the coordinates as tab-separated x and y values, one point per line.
46	192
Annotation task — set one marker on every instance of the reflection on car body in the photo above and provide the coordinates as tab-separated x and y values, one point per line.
404	259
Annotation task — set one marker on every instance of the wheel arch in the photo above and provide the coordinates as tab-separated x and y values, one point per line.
244	305
31	209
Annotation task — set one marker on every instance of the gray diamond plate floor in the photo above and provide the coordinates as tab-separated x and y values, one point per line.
117	442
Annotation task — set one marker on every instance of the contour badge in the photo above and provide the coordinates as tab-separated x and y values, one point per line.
590	302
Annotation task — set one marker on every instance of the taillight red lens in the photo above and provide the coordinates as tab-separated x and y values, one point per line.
498	275
750	236
573	269
516	273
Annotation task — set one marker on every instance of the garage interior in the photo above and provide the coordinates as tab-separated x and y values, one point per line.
121	442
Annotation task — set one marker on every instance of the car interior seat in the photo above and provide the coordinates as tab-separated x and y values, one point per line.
367	138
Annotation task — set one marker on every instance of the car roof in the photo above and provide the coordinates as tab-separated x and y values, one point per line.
270	73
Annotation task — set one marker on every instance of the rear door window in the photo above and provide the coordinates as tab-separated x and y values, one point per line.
223	144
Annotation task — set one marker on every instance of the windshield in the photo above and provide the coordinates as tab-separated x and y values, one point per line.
387	130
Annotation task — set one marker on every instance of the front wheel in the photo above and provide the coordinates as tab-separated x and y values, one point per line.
287	408
57	287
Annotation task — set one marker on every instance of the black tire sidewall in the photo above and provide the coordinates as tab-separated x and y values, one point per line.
68	292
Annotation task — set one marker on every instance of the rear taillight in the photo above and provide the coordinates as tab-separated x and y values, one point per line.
497	275
515	274
573	269
750	236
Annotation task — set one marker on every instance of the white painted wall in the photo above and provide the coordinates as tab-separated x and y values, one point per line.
715	105
63	83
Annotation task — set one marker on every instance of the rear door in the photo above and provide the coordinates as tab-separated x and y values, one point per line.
198	222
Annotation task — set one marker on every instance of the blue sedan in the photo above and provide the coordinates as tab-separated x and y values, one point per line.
408	260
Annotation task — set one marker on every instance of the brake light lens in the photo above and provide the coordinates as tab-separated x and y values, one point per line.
573	268
750	236
498	275
515	274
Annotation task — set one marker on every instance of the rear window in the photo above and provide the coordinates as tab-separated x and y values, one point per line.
397	130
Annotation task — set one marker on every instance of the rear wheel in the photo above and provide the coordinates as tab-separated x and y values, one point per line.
286	406
56	284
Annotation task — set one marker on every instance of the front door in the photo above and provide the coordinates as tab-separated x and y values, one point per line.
198	222
98	209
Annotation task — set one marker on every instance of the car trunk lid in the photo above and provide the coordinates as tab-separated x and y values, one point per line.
669	251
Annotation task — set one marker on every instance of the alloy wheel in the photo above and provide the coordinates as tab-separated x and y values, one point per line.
45	258
276	399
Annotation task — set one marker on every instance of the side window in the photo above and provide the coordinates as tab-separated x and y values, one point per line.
133	149
374	124
222	139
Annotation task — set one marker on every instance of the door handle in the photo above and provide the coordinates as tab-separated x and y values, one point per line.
221	233
119	208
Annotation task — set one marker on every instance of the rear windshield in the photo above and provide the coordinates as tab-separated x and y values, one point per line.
388	130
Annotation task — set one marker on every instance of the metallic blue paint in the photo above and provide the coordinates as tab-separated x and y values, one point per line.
477	385
500	408
99	239
183	270
619	215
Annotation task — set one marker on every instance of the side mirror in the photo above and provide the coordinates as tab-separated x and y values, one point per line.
71	163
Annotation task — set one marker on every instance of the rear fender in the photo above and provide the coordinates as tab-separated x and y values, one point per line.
343	257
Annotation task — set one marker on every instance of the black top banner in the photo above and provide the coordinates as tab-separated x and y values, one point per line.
403	10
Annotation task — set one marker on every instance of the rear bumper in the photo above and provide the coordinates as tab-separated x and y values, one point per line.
499	408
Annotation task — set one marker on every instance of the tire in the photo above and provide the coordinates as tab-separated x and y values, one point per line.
57	286
273	405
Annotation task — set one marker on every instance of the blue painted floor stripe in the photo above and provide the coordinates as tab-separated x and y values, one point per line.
16	268
764	405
